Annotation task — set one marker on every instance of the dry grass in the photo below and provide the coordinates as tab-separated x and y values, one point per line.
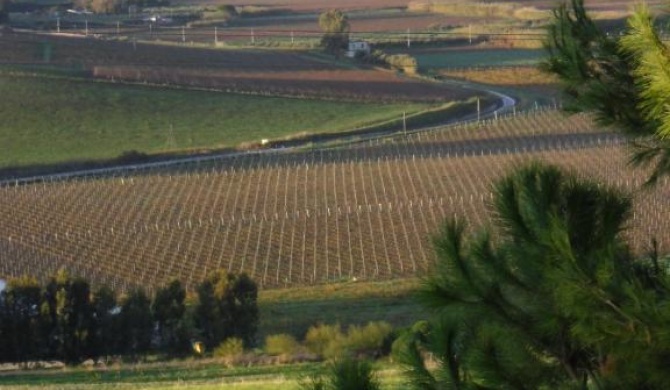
512	76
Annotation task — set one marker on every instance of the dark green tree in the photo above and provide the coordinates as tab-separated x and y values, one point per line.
335	26
4	14
227	307
135	323
622	79
242	301
21	339
207	315
169	314
105	329
67	317
555	300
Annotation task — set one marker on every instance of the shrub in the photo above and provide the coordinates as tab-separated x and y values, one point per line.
353	374
281	344
368	339
328	341
402	62
344	374
319	337
230	348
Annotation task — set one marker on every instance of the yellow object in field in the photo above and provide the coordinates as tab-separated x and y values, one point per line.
198	348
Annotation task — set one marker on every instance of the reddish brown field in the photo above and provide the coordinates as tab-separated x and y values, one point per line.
258	71
372	85
300	218
318	5
361	24
601	5
89	52
310	5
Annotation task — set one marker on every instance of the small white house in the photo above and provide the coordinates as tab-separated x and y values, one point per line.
356	47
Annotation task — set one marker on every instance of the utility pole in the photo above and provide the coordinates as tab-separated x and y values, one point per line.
118	28
58	24
292	38
183	34
470	33
253	37
409	39
216	36
86	26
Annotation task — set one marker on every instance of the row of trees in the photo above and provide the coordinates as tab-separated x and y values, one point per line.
67	321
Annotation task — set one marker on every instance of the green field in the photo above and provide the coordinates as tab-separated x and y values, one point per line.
294	310
189	374
52	120
478	58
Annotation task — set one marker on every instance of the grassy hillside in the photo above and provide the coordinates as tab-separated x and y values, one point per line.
48	120
294	310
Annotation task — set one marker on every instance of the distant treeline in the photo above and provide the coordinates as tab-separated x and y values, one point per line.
65	320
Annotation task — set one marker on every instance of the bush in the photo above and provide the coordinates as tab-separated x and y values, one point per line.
353	374
281	344
319	337
344	374
230	348
329	342
368	339
402	62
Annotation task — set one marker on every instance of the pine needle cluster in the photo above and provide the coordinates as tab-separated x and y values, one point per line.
622	77
555	300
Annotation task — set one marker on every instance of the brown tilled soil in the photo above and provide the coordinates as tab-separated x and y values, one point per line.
370	85
269	72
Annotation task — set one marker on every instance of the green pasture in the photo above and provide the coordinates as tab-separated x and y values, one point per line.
294	310
188	374
194	373
50	120
478	58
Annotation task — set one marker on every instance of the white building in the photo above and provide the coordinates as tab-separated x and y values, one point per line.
356	47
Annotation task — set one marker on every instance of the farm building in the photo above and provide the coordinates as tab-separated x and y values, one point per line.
356	47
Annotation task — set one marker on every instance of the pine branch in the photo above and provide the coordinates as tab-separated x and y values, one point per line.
652	69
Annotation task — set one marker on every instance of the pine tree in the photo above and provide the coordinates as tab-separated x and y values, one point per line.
623	80
552	298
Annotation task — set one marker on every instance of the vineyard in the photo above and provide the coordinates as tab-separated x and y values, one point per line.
366	211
